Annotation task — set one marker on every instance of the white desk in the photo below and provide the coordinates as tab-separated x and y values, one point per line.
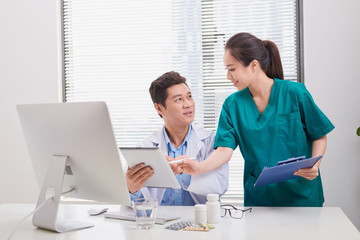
262	223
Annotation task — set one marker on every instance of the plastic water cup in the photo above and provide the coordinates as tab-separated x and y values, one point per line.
145	212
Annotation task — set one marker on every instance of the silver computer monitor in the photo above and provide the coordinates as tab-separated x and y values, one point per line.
72	146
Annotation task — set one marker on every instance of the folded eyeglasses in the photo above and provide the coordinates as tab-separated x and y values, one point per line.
233	211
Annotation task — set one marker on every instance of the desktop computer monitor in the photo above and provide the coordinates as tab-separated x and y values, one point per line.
72	148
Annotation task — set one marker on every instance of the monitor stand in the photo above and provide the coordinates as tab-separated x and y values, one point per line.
46	216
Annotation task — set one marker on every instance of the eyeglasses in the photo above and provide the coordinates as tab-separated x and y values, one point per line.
233	211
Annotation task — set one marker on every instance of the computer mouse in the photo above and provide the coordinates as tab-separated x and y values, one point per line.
95	212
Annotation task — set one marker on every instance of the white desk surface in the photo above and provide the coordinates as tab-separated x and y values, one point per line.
262	223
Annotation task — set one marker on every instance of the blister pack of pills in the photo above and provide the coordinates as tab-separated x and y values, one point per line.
189	226
178	225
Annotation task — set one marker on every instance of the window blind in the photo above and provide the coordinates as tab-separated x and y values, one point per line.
114	49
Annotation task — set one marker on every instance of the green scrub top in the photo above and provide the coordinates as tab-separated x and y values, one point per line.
289	124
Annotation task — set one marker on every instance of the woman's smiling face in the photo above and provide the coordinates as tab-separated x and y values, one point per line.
237	73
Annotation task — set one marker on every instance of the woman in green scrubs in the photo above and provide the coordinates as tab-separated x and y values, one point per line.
270	119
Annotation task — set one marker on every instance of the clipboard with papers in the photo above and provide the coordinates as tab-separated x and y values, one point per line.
285	170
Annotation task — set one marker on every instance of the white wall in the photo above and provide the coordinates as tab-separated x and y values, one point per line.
28	74
332	75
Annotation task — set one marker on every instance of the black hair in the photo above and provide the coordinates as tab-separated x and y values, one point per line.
245	48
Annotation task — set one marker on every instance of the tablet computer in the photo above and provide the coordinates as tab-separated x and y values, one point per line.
163	175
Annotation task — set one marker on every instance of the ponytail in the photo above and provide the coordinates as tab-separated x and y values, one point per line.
245	48
274	69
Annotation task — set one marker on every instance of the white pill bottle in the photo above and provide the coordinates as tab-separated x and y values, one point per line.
200	214
213	208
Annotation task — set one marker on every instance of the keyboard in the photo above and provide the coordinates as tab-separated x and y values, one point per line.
161	217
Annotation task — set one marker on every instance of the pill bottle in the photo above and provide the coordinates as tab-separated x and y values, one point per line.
213	208
200	213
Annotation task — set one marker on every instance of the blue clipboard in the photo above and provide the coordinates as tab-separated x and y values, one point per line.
285	170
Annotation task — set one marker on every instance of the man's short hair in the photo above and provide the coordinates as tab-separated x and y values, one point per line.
158	88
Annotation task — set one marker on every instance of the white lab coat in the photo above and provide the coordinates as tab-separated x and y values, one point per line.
200	144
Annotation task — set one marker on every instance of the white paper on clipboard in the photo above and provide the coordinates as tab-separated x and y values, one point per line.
163	175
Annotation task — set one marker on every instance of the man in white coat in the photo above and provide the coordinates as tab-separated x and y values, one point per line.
178	139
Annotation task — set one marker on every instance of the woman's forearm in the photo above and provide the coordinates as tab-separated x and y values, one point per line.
318	148
216	159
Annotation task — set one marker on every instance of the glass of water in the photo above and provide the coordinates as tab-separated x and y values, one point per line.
145	212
